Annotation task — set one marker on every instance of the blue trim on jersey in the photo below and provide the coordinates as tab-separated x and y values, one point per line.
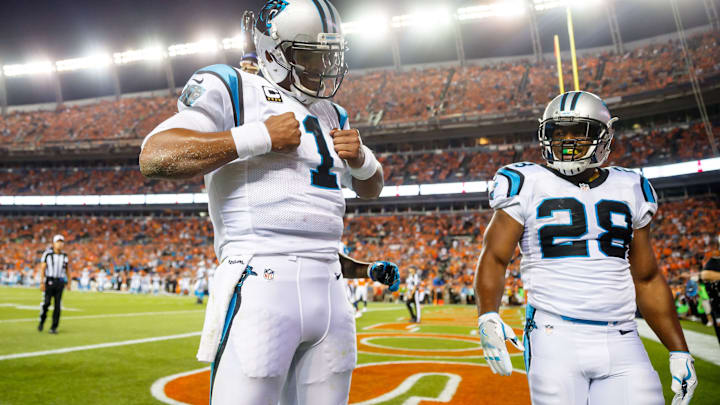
647	191
342	115
230	78
628	224
579	237
515	181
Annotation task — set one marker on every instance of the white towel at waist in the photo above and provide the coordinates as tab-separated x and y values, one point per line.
226	278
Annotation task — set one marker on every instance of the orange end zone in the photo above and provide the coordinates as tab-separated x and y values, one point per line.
478	384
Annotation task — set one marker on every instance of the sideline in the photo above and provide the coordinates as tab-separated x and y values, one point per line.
701	345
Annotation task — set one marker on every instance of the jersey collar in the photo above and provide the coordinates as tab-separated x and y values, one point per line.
604	173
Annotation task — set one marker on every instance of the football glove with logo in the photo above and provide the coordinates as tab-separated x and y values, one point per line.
493	334
386	273
684	379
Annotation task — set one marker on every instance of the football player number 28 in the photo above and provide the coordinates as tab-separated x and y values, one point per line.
614	242
321	177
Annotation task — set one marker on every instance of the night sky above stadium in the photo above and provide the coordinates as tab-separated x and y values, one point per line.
65	29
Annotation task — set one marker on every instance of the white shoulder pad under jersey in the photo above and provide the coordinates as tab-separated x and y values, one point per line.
511	189
645	198
216	91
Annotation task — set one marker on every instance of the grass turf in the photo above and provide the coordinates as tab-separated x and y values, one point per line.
124	374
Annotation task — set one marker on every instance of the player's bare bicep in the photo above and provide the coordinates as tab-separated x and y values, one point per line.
643	265
501	236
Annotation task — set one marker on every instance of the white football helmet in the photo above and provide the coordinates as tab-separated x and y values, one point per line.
300	44
575	132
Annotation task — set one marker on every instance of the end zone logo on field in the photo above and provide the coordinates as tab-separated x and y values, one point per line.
377	383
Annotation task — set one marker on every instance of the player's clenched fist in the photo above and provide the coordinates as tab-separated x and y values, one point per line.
284	132
348	146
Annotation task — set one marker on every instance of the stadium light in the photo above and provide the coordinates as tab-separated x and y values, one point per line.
509	8
93	61
542	5
236	42
209	45
430	17
136	55
28	68
372	25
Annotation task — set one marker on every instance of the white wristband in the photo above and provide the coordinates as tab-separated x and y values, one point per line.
251	140
369	167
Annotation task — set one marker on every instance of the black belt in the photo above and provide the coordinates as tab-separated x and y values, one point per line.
55	279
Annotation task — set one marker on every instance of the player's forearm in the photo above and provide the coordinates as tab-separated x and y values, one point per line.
369	189
654	299
183	153
489	282
352	268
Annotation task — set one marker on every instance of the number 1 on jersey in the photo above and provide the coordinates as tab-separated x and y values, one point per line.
321	177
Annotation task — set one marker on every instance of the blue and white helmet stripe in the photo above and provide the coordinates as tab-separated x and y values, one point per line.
327	16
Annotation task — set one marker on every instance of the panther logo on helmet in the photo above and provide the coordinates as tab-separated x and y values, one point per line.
268	12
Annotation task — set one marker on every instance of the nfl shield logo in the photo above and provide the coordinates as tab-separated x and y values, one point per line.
269	274
584	187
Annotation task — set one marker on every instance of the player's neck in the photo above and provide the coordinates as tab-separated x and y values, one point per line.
587	177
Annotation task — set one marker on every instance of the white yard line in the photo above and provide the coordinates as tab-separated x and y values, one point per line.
384	309
701	345
97	346
32	307
133	314
444	396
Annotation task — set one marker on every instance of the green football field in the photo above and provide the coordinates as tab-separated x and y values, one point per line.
130	349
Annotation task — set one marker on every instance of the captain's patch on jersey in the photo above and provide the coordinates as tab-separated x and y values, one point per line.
272	94
191	93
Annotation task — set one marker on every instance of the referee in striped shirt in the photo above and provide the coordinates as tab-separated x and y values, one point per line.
54	279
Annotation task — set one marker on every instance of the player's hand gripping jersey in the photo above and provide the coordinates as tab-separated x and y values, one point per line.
276	202
576	238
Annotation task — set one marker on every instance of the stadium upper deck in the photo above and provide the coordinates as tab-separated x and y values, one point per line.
387	97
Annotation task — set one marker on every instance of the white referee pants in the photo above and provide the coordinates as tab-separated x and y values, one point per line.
583	363
290	337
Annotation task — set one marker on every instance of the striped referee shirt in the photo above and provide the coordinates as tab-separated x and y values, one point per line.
412	281
55	263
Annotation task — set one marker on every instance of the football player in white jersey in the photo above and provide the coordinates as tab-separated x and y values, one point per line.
274	152
587	259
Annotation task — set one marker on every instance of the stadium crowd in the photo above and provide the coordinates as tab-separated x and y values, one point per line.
443	247
410	95
636	147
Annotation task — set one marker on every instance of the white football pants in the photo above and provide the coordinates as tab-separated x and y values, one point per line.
290	337
575	362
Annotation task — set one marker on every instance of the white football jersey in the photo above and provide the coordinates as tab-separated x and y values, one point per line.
276	203
577	237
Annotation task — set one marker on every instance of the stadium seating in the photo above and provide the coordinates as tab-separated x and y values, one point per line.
439	245
632	148
400	96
